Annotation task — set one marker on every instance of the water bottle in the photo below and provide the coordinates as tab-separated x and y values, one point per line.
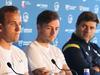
86	71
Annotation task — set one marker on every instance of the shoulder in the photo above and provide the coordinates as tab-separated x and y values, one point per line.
55	50
18	53
71	44
33	49
15	48
54	47
32	46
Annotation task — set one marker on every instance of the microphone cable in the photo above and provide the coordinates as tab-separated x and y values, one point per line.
54	62
10	66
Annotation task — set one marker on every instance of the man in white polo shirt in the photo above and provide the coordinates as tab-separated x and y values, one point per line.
11	57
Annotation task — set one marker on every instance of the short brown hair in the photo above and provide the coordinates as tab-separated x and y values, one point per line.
46	16
87	16
4	10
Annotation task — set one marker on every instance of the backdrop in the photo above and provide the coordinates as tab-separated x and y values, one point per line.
67	9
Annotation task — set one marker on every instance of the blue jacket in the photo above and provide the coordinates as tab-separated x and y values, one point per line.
80	55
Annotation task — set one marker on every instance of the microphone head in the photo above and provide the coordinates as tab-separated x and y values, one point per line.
53	61
9	65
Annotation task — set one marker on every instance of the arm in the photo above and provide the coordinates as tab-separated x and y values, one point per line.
41	71
26	73
96	60
66	70
36	61
75	58
96	68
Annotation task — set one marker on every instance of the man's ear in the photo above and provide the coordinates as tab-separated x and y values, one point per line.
38	26
0	27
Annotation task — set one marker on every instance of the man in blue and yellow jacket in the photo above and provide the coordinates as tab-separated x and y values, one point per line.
79	52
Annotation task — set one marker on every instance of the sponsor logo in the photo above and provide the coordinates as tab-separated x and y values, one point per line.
25	3
23	43
26	30
25	17
83	8
69	30
70	18
45	6
56	6
70	7
96	9
8	2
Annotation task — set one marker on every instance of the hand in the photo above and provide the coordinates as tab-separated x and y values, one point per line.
64	70
41	71
96	68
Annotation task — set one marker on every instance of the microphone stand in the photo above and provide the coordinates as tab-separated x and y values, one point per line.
54	62
10	66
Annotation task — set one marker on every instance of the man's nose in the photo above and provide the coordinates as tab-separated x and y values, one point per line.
18	28
53	31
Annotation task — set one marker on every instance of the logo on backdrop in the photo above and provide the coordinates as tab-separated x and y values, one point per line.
84	8
25	17
45	6
23	43
69	30
70	18
26	30
25	3
70	7
56	6
96	9
8	2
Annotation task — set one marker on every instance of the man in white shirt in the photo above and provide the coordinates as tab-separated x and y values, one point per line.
11	57
41	51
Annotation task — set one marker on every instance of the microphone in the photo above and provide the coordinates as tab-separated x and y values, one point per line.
10	66
54	62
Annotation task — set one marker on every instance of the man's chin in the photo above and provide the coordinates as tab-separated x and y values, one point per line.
15	40
51	41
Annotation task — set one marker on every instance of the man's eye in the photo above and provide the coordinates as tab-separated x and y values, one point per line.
83	26
57	28
92	28
12	24
48	28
